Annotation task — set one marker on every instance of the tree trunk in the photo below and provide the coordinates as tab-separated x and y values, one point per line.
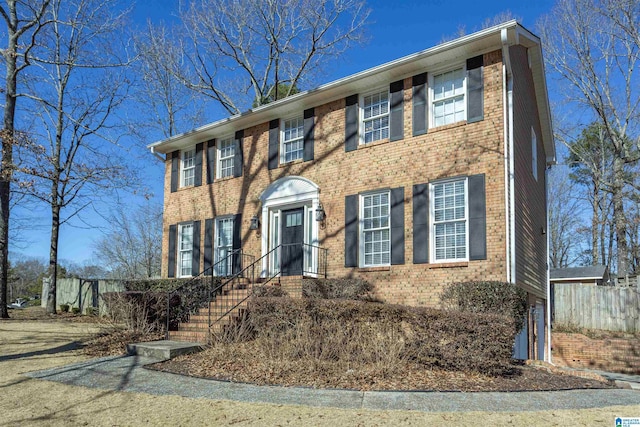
595	225
53	259
618	215
6	167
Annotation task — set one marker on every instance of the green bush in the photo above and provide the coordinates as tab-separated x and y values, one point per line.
488	297
91	311
75	310
64	308
354	331
338	288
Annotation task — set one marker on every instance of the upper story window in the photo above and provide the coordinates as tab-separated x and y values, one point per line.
226	154
375	116
534	154
449	223
185	249
375	248
448	97
187	167
292	140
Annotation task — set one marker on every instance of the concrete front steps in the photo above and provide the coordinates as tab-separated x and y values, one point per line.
197	329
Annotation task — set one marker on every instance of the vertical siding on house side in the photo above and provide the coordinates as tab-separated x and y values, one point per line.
530	198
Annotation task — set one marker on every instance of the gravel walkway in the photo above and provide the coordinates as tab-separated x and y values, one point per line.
129	375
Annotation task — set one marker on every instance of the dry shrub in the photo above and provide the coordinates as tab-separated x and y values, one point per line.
488	297
141	312
338	288
357	334
266	291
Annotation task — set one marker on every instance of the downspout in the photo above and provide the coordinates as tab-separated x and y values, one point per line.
158	156
507	94
548	300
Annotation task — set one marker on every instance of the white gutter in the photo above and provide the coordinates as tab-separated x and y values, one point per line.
158	156
507	83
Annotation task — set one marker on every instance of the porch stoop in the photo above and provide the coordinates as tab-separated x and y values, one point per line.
197	330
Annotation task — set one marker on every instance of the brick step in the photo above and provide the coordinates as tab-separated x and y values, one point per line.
189	336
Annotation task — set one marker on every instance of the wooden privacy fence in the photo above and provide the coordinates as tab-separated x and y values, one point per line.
609	308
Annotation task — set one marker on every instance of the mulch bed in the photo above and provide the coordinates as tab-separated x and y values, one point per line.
239	363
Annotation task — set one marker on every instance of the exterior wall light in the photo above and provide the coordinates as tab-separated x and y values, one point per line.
320	215
255	223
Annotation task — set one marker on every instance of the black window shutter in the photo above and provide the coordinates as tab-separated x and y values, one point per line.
211	161
309	130
237	158
420	223
397	226
171	261
208	246
475	89
351	231
175	170
195	254
419	101
274	143
197	179
351	123
477	218
237	243
396	115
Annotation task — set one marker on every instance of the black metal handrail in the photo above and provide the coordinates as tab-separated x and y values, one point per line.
271	272
200	293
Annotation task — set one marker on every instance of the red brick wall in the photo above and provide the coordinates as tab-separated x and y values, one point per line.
610	354
447	151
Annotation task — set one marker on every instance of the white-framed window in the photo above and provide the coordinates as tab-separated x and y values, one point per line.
449	220
375	116
534	154
187	167
448	103
375	232
292	140
223	246
185	249
226	153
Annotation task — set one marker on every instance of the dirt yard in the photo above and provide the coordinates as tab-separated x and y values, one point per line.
27	345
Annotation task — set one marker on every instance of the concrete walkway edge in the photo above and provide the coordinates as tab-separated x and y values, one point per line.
127	374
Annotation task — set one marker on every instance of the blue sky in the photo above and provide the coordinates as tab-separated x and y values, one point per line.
396	29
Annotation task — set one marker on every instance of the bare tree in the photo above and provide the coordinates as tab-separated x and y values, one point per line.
132	249
240	51
78	87
564	243
23	21
594	48
169	103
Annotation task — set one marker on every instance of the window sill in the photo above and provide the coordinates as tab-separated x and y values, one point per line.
448	264
447	127
363	145
282	164
226	178
374	269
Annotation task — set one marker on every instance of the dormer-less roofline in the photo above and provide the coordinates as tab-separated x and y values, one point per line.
477	43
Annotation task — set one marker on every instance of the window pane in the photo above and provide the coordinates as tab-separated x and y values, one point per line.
448	97
376	116
375	225
449	219
226	152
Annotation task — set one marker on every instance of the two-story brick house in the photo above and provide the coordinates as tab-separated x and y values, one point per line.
417	173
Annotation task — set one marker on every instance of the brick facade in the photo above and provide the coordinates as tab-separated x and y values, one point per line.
448	151
463	149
